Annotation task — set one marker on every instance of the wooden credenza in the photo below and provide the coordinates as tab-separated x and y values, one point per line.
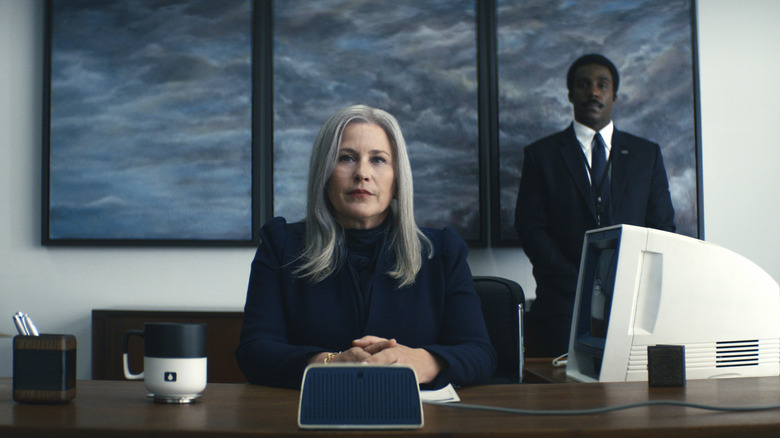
223	328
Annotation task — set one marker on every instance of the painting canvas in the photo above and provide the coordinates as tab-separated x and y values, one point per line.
416	60
148	134
150	137
651	43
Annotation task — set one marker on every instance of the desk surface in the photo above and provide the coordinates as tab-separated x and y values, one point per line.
121	409
541	370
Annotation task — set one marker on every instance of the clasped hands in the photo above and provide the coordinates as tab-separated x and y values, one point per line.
376	350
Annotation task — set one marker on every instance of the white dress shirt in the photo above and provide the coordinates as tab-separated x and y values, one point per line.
585	137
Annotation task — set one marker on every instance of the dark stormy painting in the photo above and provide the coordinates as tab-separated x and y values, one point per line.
414	59
150	120
649	41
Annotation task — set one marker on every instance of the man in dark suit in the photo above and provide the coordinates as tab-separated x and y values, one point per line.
588	176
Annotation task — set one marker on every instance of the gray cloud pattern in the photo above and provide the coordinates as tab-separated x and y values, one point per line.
150	133
416	60
151	102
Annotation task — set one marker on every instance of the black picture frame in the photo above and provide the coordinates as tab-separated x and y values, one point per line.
653	44
117	171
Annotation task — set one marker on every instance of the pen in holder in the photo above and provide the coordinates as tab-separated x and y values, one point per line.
44	368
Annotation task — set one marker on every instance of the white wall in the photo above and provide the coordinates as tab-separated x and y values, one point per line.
59	286
740	94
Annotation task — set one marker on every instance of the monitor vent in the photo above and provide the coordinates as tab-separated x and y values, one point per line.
736	353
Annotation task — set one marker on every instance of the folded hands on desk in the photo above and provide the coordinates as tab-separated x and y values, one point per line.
380	351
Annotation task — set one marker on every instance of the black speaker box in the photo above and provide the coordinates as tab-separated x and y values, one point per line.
336	396
666	365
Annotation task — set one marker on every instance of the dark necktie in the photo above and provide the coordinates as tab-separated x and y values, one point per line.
600	182
598	160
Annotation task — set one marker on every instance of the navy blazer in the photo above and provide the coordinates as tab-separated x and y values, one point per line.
555	207
288	320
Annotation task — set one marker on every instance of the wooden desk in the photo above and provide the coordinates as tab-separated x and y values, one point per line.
121	409
541	370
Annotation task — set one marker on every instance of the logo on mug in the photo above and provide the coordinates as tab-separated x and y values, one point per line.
170	376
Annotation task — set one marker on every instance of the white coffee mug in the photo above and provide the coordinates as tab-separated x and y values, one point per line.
175	363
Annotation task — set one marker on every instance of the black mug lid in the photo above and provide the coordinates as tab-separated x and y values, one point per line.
174	340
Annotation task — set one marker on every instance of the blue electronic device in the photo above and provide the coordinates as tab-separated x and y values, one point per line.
352	396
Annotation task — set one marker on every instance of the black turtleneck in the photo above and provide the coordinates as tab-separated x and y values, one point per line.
363	248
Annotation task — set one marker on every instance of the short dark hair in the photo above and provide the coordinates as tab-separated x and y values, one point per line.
592	58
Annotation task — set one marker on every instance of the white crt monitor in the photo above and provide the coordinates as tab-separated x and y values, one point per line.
640	287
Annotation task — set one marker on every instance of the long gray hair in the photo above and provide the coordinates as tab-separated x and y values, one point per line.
322	255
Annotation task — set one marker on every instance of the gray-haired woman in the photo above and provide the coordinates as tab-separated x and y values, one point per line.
358	280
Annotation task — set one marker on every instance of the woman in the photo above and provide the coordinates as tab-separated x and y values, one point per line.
357	280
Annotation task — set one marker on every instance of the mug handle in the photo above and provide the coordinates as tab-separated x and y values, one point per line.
128	374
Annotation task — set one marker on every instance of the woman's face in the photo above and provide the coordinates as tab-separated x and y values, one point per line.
363	182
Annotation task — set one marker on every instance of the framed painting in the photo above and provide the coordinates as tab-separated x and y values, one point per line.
417	61
148	124
653	45
191	123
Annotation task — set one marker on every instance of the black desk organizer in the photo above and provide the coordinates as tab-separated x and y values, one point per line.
44	368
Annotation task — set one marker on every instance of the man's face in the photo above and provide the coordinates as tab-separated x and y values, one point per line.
592	95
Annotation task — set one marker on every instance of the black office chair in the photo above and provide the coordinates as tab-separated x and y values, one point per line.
500	298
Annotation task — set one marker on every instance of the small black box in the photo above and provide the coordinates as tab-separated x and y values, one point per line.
666	365
44	368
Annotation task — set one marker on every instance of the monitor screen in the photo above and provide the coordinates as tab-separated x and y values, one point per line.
600	256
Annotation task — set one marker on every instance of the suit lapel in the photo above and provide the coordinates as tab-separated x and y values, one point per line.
571	152
620	157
